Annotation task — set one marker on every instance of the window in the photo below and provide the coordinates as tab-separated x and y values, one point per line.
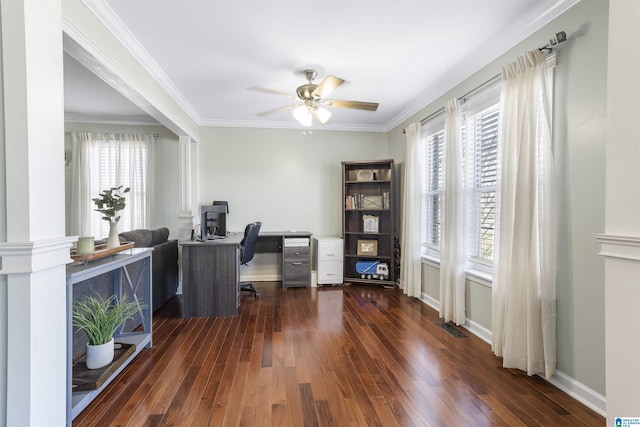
480	111
113	160
480	117
481	143
433	146
125	163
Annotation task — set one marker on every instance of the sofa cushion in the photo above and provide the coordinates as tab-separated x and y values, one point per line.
159	235
141	238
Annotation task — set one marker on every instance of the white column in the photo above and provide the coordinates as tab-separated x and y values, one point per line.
621	240
186	215
188	193
32	260
195	177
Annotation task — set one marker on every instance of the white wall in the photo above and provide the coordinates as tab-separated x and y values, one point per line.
477	299
166	199
3	238
283	178
621	241
579	142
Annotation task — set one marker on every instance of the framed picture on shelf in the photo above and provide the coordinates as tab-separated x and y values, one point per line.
365	175
368	247
370	223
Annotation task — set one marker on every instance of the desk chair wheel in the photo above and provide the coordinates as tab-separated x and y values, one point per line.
248	287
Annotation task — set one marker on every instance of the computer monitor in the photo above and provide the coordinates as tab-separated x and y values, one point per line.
213	222
221	203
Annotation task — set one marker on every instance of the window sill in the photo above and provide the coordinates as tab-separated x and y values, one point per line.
431	261
477	276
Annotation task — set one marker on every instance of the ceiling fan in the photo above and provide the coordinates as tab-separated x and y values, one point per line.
313	97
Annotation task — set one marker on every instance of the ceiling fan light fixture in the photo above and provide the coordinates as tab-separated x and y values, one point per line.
303	115
313	95
322	114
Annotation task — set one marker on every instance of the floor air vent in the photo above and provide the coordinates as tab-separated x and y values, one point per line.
451	329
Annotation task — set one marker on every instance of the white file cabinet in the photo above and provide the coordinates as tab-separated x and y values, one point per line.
327	260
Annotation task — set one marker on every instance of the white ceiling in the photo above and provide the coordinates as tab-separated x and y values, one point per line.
400	53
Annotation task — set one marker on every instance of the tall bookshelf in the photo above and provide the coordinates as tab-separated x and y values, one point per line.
368	223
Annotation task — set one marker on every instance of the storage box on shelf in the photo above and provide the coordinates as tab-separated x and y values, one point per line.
368	222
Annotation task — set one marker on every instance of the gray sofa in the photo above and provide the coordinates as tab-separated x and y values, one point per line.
164	266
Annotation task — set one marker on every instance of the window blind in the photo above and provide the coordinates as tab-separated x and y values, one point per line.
434	155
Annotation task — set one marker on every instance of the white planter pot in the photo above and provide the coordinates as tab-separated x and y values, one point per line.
99	356
114	240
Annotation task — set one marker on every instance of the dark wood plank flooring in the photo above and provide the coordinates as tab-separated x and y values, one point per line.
337	356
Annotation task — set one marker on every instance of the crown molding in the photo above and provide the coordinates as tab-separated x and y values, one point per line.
516	33
291	125
121	32
110	119
86	53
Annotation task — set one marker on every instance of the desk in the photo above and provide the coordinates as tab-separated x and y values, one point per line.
211	270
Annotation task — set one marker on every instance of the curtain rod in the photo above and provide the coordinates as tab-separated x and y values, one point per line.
461	98
154	134
557	38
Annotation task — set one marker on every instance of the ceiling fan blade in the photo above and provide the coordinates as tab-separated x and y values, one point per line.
326	86
274	92
275	110
357	105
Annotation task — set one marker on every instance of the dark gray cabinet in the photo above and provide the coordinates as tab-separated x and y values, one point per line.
211	278
296	262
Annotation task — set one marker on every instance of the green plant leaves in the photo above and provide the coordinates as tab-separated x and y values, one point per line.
111	202
100	317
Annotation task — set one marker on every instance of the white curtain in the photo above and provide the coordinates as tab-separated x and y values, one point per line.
410	249
81	205
101	161
524	281
452	253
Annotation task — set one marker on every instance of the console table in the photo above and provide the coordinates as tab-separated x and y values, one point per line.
211	269
118	264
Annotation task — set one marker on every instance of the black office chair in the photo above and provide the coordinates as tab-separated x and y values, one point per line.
247	249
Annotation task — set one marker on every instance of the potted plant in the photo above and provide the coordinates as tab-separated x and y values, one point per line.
109	204
100	318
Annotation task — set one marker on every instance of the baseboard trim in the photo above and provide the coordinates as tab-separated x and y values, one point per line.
580	392
564	382
260	278
478	330
430	301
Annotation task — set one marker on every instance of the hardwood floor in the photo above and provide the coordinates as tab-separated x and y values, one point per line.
352	355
